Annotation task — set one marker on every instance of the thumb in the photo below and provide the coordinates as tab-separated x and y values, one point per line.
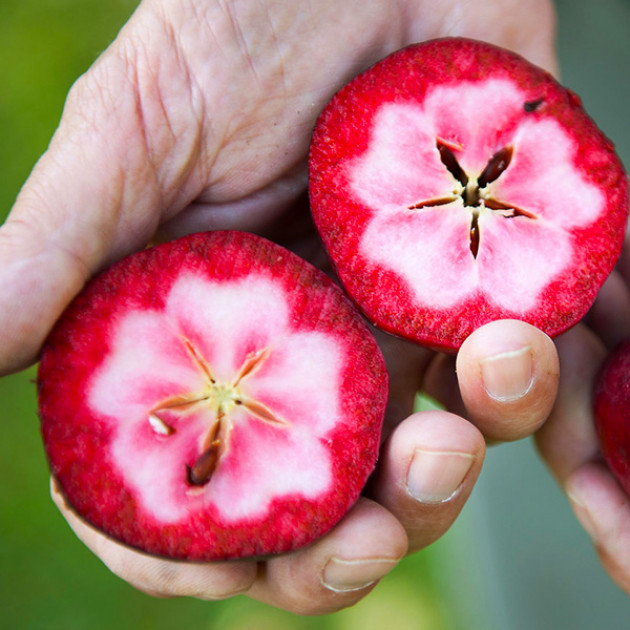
508	377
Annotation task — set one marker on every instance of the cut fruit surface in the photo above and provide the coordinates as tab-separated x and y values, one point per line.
454	183
211	398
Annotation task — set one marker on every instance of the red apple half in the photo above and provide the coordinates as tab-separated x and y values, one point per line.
454	183
214	397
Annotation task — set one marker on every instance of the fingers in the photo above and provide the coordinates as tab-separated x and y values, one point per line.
603	509
158	576
568	439
334	572
508	377
338	569
568	443
428	468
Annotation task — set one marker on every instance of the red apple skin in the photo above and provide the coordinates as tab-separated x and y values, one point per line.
612	413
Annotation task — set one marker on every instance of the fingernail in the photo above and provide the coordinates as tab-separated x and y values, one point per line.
435	476
343	576
582	513
508	376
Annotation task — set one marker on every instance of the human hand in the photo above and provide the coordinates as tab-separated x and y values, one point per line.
199	117
568	440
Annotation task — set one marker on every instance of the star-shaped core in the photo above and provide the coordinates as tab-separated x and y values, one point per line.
219	398
474	190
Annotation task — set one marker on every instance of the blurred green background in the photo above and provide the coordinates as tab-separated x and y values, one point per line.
515	559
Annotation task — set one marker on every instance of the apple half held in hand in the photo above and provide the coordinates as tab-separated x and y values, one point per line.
612	413
454	183
214	397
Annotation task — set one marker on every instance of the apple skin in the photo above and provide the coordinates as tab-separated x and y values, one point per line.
612	413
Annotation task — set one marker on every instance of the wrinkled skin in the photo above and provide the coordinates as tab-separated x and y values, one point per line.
198	117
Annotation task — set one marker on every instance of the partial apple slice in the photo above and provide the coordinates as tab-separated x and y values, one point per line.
454	183
612	413
212	398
